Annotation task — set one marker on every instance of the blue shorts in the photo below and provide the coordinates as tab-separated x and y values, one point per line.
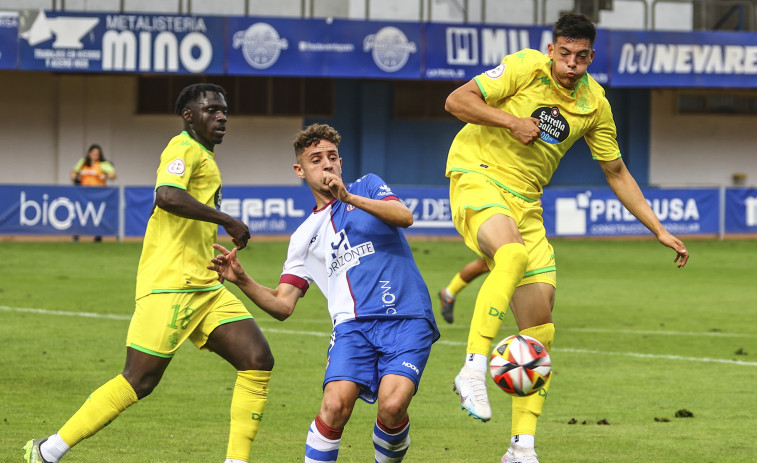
364	351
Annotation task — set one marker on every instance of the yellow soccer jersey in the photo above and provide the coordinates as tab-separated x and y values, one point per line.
523	86
177	251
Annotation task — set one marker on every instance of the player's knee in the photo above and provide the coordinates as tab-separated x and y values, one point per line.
261	359
392	411
336	410
143	386
513	255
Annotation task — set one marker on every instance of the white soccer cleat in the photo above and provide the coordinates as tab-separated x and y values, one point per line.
470	385
519	454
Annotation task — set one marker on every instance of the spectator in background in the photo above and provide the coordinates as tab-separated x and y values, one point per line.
93	170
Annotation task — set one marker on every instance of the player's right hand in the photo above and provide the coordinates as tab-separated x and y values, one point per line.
227	264
526	130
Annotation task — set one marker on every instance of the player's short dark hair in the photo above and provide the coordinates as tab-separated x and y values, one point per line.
574	26
193	91
312	134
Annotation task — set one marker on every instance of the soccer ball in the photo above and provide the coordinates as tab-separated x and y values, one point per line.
520	365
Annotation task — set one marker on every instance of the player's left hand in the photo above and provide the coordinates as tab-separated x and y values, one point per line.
682	255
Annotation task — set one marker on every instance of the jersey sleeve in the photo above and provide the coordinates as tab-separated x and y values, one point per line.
504	80
374	187
107	167
78	165
177	162
295	273
602	138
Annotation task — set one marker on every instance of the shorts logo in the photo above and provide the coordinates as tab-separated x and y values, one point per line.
176	167
412	367
496	73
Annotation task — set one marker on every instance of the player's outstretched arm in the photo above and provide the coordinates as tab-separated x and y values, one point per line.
278	303
179	202
628	192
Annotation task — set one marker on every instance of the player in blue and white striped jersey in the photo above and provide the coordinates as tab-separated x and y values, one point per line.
353	249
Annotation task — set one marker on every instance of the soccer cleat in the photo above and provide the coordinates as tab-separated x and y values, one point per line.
470	385
448	305
32	453
519	454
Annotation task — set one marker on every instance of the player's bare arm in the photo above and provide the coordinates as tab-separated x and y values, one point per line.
179	202
467	103
628	192
278	303
389	211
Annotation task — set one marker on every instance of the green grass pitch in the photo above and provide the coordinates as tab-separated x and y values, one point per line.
638	341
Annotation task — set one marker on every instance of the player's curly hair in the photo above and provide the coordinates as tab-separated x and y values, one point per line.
574	26
312	134
193	91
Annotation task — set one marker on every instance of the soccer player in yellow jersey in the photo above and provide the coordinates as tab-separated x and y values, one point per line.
521	118
178	298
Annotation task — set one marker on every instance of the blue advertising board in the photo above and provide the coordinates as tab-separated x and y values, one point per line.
462	51
323	47
58	210
279	210
347	48
144	43
740	210
8	40
683	59
597	212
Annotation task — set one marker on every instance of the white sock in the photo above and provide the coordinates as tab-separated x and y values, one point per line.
476	361
524	440
53	448
231	460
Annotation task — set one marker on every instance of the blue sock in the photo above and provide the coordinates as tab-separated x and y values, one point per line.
391	444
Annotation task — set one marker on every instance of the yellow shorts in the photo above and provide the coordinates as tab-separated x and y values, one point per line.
475	198
163	321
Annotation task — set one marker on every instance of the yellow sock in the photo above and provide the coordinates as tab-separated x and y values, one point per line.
247	405
526	410
456	285
103	406
494	297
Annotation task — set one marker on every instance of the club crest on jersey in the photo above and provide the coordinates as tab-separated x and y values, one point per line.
176	167
344	256
554	127
497	72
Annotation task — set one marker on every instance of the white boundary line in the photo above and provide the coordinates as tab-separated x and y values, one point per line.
455	343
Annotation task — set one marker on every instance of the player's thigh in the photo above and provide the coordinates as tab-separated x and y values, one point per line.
541	266
163	321
353	357
242	344
219	309
338	401
532	304
405	346
394	396
475	200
